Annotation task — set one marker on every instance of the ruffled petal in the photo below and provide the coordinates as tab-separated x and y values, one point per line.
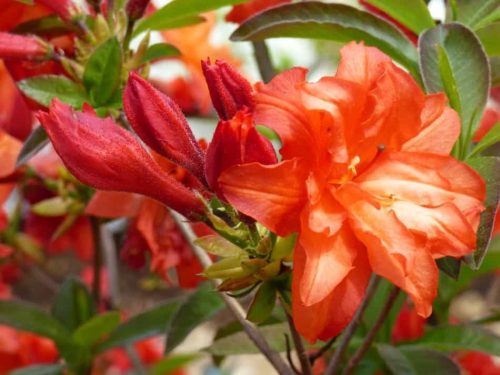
440	127
329	258
330	316
273	195
393	251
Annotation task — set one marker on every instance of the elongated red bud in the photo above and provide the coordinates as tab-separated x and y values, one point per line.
159	122
229	91
20	47
135	8
103	155
236	141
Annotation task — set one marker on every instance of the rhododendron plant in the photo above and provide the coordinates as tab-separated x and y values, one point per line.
334	214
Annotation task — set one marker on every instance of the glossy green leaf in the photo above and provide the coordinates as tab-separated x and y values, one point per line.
491	138
73	304
263	303
452	60
36	141
489	168
166	23
472	12
102	72
149	323
96	328
490	38
169	364
181	9
336	22
417	361
198	308
411	13
160	51
39	370
460	337
43	88
30	318
450	266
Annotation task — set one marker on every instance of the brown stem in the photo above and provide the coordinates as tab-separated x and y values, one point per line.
321	351
351	328
356	358
263	58
299	347
233	305
96	282
289	356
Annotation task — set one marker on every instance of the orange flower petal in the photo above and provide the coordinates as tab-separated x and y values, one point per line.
393	250
331	315
329	259
273	195
9	150
114	204
440	127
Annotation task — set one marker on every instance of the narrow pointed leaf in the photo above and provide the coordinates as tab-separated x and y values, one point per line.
149	323
169	364
450	266
472	12
489	168
42	89
73	304
160	51
26	317
452	60
166	23
96	328
490	36
102	72
37	140
411	13
199	307
491	138
263	303
331	22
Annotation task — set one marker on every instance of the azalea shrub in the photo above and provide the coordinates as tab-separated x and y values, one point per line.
337	218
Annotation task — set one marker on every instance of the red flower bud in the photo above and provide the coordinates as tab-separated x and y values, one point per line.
161	125
236	142
21	47
103	155
229	91
135	8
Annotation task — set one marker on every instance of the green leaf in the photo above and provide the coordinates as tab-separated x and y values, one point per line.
490	37
472	12
96	328
450	266
43	88
336	22
181	9
239	343
30	318
169	364
491	138
166	23
199	307
39	370
149	323
263	303
460	337
495	71
102	72
417	361
37	140
50	25
452	60
411	13
73	304
217	245
489	168
159	51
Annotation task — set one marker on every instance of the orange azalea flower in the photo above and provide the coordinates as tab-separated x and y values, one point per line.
195	46
366	181
9	150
